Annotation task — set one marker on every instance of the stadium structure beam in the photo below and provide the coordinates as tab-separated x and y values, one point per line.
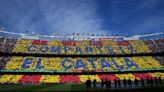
80	55
82	73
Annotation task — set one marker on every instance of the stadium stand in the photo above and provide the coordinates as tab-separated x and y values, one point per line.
66	47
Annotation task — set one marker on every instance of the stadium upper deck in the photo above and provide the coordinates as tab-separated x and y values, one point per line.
74	47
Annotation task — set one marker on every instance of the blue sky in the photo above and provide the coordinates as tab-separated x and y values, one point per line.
88	16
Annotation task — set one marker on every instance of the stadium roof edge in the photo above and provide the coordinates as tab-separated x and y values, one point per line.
30	36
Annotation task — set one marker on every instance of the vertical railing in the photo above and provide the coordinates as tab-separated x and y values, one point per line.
157	48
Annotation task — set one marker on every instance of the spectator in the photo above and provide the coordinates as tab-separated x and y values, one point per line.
108	83
160	80
124	81
136	82
156	81
102	83
148	81
151	81
115	82
142	82
119	82
94	83
88	83
130	82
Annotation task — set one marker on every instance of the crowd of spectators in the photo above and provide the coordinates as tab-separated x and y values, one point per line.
118	47
54	63
59	64
117	83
